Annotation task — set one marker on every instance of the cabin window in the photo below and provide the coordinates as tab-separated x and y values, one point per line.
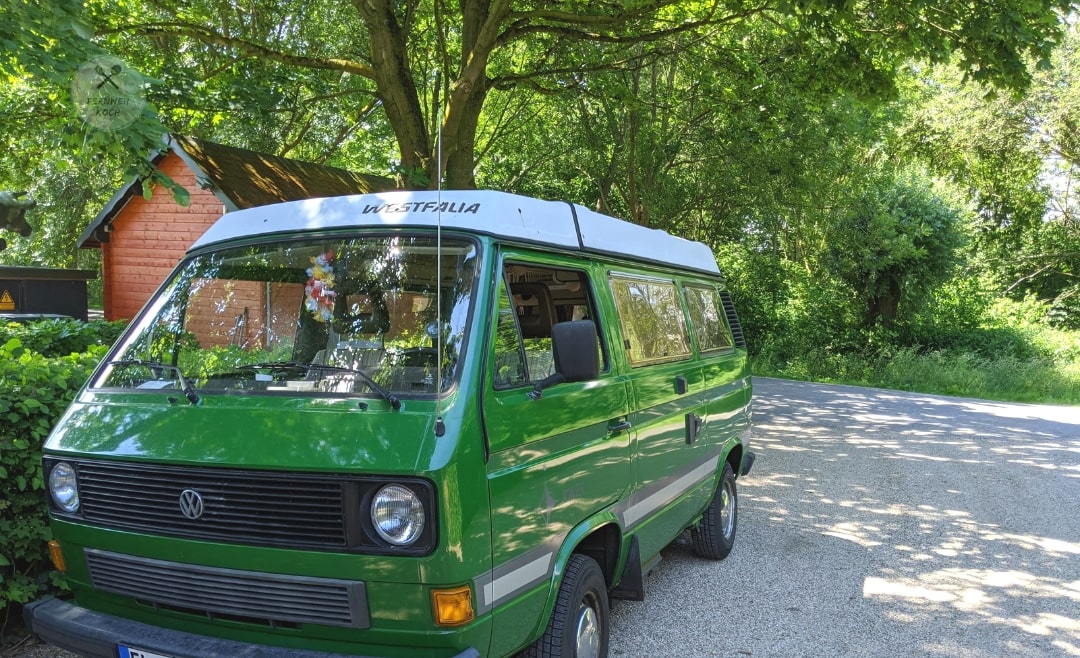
706	316
653	324
531	300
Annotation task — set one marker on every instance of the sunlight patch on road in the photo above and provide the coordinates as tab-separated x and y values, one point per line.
1047	544
883	587
854	532
986	594
883	419
1040	412
1047	623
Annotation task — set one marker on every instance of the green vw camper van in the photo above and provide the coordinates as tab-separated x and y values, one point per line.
404	424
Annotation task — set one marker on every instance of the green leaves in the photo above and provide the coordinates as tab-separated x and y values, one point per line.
897	240
42	364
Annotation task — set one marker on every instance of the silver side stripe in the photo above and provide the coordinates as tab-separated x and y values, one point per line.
517	575
518	579
643	503
536	566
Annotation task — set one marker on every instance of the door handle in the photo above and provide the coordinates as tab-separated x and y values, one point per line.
681	385
693	426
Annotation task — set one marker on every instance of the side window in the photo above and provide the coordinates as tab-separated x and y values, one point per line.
509	355
531	300
707	319
653	325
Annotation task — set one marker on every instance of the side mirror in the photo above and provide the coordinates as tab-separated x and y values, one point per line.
577	359
574	345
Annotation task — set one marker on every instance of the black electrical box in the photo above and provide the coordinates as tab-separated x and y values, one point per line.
26	292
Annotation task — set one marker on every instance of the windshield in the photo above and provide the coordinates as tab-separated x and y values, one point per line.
342	316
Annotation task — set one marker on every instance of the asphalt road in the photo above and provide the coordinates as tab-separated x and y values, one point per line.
878	523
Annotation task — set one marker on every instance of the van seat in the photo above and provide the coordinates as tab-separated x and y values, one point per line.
536	309
357	354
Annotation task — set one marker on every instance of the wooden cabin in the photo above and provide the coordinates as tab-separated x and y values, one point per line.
141	241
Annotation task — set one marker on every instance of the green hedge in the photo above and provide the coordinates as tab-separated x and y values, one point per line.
42	367
61	337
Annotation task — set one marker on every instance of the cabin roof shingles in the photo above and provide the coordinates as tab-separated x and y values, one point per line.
242	179
245	179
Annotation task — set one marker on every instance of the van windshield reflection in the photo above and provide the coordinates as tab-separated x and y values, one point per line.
355	316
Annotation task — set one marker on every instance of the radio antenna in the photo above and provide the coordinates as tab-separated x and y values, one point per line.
440	426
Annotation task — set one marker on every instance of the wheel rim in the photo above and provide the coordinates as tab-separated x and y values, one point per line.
588	631
727	510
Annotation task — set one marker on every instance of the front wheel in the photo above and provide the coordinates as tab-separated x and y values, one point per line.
714	537
578	627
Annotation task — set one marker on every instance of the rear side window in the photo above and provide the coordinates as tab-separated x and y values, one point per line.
707	319
653	324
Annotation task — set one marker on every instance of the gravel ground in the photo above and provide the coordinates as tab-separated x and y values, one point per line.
28	648
877	523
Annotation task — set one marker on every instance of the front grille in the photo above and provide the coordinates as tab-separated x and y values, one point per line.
248	507
226	593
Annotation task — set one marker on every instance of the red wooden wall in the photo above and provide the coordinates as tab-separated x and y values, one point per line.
149	238
213	316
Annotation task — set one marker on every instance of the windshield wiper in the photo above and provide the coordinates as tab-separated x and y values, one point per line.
372	384
293	365
189	391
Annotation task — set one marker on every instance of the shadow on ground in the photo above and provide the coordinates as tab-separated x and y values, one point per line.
883	523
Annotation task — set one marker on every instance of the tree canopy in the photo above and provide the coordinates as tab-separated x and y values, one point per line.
768	129
427	67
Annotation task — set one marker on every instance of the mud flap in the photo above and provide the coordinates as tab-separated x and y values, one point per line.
631	586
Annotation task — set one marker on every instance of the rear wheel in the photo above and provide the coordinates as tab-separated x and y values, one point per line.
578	627
715	535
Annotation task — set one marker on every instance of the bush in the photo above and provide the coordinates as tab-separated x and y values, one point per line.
35	389
957	340
60	337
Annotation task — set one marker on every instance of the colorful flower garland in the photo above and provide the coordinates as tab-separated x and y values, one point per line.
319	288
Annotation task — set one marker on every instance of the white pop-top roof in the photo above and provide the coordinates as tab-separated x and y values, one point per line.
499	214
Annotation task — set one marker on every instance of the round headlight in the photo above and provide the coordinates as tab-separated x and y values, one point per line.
63	487
398	514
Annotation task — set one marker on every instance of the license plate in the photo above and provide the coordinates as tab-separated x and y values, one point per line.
132	652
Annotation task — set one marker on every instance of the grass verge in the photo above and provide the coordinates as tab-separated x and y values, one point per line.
1037	379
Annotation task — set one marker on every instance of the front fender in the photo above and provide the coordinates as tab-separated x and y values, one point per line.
599	534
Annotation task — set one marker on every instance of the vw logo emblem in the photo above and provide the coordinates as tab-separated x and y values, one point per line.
191	504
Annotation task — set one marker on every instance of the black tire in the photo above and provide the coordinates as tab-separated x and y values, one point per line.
714	537
580	615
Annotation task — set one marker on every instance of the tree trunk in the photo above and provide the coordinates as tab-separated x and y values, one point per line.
481	21
459	138
396	88
884	307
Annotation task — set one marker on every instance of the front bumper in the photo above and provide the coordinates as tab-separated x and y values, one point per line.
98	635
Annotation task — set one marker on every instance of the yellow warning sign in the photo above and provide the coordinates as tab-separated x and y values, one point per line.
6	302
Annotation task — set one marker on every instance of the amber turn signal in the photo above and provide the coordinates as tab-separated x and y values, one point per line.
57	556
453	607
